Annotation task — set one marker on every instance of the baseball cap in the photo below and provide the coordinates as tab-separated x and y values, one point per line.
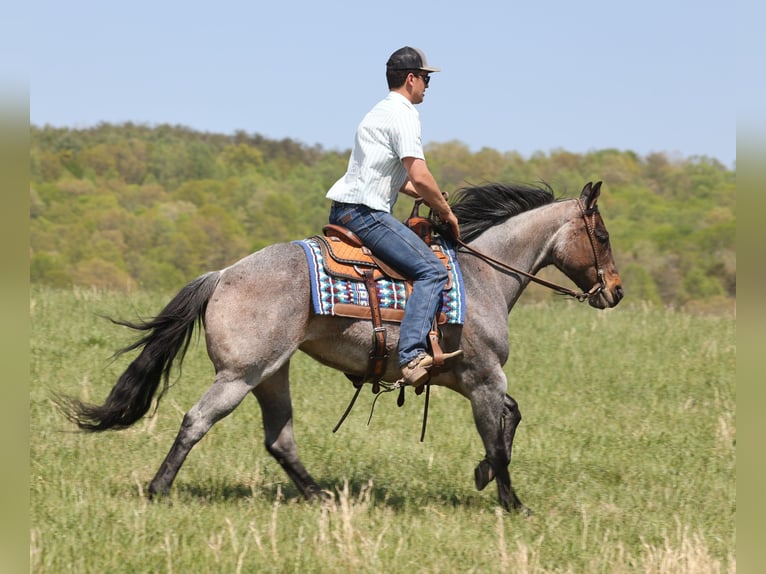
408	58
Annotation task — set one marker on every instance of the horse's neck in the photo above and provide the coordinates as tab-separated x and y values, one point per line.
524	242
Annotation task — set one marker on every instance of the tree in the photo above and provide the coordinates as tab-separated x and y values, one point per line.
154	206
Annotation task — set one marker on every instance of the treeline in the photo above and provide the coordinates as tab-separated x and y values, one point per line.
127	206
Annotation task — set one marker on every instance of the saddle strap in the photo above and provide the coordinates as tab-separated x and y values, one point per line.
378	358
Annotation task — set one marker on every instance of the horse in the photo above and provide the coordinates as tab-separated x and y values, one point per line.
256	314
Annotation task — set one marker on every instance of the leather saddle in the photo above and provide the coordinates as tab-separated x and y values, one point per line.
345	256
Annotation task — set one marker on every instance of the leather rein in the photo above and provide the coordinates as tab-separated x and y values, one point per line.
579	295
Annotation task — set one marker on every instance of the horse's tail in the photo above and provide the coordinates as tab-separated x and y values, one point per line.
167	338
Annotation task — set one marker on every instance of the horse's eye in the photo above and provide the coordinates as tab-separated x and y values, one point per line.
602	235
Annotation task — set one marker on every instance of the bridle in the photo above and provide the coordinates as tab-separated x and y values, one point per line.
581	296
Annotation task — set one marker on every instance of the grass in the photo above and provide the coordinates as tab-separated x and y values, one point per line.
625	453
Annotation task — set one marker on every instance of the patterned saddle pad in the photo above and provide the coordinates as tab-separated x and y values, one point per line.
347	297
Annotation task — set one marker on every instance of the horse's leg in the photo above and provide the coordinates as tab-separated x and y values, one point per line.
273	395
496	421
220	399
510	421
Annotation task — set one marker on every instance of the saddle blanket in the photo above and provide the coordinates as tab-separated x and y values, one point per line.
327	291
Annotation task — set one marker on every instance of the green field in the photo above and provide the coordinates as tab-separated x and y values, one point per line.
626	454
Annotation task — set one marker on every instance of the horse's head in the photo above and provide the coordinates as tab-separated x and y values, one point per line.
584	254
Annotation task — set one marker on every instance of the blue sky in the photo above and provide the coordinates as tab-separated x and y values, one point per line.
655	76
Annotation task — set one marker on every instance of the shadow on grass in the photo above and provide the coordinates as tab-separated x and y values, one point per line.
359	489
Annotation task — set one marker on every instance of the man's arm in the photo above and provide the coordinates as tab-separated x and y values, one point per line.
409	189
422	182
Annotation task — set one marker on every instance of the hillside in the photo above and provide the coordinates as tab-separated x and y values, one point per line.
128	206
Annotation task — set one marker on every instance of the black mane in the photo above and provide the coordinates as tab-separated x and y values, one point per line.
479	208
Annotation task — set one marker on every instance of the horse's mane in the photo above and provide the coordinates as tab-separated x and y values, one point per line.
481	207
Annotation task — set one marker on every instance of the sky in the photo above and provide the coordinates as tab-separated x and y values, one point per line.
526	77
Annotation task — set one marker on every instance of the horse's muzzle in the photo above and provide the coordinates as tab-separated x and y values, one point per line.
607	297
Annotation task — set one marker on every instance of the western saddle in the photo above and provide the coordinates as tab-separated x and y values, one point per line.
347	257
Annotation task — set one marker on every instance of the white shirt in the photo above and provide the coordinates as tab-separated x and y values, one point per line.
388	133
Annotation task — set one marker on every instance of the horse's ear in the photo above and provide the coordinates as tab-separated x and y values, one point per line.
590	193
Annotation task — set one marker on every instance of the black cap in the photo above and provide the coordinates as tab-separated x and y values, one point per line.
408	58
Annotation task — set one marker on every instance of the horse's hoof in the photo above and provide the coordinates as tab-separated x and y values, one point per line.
483	474
318	495
154	493
525	512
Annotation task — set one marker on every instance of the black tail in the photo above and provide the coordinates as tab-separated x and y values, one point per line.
168	338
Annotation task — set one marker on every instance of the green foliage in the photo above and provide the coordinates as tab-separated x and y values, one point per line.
174	201
626	453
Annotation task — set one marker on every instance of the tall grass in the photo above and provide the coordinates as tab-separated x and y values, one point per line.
625	453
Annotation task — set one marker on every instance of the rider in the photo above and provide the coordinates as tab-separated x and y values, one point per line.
387	159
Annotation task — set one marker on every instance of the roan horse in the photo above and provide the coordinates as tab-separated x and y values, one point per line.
257	314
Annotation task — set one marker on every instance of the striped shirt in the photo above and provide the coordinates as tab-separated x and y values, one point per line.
388	133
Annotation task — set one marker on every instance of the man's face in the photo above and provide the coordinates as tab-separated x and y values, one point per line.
419	84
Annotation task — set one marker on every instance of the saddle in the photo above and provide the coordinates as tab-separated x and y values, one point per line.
345	256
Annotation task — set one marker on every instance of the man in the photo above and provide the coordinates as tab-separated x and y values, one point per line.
387	159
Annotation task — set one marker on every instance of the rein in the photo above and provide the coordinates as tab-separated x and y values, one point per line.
579	295
381	387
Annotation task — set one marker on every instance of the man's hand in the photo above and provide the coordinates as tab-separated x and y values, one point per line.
451	219
424	184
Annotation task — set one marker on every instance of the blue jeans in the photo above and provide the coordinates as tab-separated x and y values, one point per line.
398	246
